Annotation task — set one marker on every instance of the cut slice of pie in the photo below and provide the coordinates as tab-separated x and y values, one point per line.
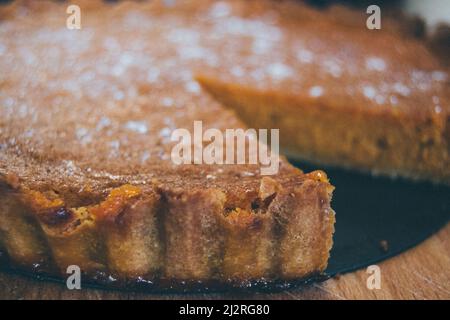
86	176
341	94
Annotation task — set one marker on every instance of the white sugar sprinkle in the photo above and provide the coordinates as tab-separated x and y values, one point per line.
81	132
393	100
137	126
167	102
333	68
118	95
369	91
219	10
257	74
380	99
153	75
279	71
439	76
316	91
115	145
402	89
126	59
375	64
2	49
103	123
183	36
262	45
165	132
436	99
237	71
193	87
305	56
247	174
145	156
193	52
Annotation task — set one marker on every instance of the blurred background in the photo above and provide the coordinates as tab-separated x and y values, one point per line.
427	19
433	12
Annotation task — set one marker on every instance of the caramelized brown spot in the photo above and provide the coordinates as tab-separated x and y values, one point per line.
41	203
116	201
318	175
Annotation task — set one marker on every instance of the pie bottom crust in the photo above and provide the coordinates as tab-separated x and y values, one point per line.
171	239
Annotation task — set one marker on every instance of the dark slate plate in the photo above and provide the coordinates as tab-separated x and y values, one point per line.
374	209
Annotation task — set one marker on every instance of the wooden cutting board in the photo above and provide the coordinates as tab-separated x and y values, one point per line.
420	273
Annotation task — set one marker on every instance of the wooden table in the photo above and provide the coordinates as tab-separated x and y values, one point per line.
420	273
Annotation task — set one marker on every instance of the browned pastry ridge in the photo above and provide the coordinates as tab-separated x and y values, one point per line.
85	171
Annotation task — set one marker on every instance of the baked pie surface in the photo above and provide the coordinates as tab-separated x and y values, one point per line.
85	171
371	100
